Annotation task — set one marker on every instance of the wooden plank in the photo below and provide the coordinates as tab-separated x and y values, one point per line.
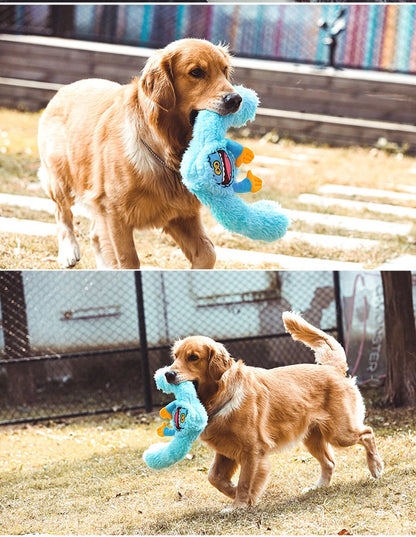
319	101
38	67
32	96
111	72
333	130
79	64
390	83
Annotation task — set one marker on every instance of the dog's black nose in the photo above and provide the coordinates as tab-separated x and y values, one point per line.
232	102
170	376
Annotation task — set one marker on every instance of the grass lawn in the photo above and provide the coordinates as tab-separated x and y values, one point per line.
86	476
298	169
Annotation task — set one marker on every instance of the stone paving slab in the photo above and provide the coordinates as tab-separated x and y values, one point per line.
383	208
365	225
367	192
26	227
330	241
285	262
28	202
408	188
260	160
38	204
404	262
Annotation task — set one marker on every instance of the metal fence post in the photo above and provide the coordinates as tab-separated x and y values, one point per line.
144	351
338	307
21	386
13	305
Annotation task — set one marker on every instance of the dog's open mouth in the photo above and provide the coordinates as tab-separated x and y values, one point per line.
192	117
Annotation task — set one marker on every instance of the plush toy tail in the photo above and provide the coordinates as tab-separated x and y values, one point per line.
261	220
162	455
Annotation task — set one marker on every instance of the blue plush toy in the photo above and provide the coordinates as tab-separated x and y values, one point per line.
209	168
188	418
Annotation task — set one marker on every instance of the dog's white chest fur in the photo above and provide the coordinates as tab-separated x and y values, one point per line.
234	403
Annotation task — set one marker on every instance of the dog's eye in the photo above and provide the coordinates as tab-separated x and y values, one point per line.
197	73
193	358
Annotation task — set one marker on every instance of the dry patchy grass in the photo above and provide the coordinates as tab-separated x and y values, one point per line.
86	476
301	168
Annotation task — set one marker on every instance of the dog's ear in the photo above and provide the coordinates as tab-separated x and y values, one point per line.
156	81
219	361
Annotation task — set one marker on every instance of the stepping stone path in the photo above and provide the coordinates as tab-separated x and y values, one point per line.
384	208
402	227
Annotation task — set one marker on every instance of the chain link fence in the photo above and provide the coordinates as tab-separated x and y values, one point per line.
74	342
372	36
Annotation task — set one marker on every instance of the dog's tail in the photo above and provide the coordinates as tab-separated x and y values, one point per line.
326	348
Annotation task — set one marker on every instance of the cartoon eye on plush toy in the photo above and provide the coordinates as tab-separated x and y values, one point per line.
188	418
209	169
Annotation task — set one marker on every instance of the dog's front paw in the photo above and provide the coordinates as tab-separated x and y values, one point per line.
69	253
232	508
319	485
308	489
227	510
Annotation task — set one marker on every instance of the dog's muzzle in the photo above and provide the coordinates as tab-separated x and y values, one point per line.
232	102
171	376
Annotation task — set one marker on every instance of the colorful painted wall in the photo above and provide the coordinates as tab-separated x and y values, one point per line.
376	36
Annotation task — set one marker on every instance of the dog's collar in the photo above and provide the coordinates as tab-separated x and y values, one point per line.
217	410
158	158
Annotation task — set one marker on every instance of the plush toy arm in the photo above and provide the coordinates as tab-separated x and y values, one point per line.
256	182
243	155
167	411
164	430
251	183
243	186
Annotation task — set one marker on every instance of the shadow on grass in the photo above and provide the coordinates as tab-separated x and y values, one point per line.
274	509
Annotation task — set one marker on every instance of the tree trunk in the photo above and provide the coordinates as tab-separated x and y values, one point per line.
400	338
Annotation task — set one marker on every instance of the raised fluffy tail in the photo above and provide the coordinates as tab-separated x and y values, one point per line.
326	348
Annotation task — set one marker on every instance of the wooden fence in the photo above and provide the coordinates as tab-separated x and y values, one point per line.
303	102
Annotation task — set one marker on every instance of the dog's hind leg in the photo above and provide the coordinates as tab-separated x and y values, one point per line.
374	462
322	451
220	474
348	434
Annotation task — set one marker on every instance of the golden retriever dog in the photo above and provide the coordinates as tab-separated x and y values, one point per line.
254	411
117	149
